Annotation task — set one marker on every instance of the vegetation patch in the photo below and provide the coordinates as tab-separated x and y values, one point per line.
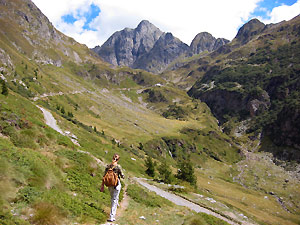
145	197
204	219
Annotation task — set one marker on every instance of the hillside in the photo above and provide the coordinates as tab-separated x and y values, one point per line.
258	80
50	177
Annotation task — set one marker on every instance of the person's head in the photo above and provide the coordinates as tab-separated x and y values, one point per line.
115	158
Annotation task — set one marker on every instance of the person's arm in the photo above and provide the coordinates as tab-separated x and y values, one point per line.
120	172
102	187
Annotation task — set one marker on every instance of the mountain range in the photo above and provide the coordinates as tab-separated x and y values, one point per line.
225	112
147	47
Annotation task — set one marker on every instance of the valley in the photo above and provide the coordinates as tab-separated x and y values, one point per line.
221	125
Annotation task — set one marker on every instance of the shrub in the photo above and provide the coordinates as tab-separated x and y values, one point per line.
4	88
175	111
47	214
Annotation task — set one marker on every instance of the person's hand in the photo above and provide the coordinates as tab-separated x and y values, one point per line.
102	188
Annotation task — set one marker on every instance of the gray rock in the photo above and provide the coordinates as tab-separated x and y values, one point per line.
206	42
148	48
124	47
165	51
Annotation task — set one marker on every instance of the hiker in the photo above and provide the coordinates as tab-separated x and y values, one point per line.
114	187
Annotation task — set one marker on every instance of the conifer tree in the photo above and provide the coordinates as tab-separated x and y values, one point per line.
150	167
186	171
165	172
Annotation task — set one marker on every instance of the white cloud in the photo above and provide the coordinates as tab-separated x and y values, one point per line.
183	18
283	12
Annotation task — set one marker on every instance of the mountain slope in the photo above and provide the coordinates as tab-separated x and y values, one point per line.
262	84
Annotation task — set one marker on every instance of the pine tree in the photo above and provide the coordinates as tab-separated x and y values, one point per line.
150	167
165	172
186	172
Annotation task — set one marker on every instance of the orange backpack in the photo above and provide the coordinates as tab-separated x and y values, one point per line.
110	179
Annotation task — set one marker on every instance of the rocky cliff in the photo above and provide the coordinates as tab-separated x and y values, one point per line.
165	51
124	47
148	48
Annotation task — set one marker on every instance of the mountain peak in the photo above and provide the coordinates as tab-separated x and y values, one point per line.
123	48
248	30
204	41
145	23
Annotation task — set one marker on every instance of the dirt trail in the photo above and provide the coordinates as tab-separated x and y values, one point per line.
181	201
50	121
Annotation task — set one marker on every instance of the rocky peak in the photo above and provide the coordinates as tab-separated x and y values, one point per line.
124	47
165	51
248	30
147	47
145	25
204	41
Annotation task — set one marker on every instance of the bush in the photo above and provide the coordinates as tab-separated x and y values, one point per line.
24	139
47	214
175	111
4	88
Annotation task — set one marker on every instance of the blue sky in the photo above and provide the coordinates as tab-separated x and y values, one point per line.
267	5
88	16
92	22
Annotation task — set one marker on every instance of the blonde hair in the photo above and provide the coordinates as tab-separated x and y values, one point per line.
115	158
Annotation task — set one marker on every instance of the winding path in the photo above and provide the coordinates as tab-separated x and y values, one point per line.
51	122
180	201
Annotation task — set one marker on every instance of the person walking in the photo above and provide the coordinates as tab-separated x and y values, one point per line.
115	169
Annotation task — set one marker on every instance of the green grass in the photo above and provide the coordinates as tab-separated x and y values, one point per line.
204	219
145	197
